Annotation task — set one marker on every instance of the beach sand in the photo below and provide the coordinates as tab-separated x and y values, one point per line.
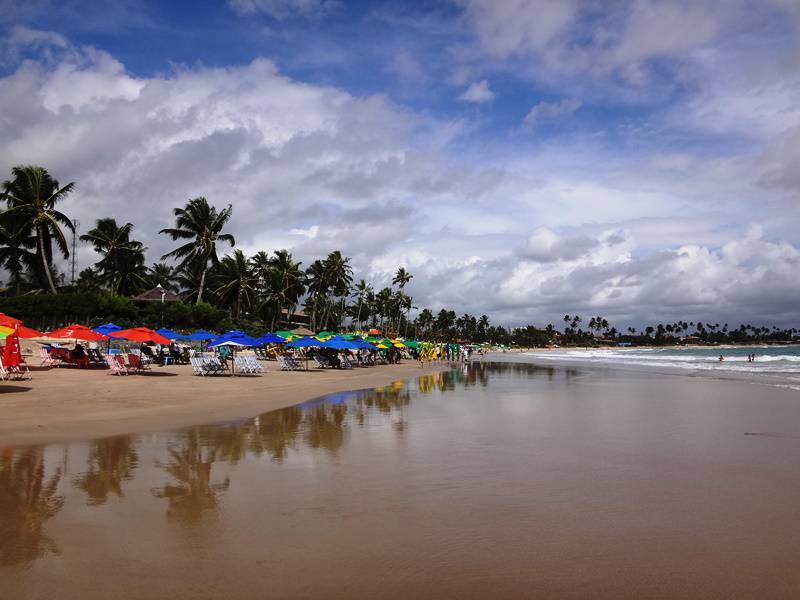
66	404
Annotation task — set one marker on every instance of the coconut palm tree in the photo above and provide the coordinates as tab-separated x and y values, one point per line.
162	274
339	276
201	223
360	291
237	284
17	250
122	262
317	288
32	195
287	283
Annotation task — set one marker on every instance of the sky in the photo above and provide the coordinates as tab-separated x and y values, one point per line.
635	159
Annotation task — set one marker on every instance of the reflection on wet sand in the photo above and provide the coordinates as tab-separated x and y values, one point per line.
28	500
111	461
192	491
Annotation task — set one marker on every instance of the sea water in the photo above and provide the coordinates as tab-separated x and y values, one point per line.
772	363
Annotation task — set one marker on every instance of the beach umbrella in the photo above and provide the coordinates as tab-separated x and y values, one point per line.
141	335
305	343
76	332
411	344
201	335
324	335
234	338
107	328
7	321
271	338
374	332
26	333
5	331
169	334
12	356
285	334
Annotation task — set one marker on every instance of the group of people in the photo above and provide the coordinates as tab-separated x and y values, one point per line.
750	358
448	352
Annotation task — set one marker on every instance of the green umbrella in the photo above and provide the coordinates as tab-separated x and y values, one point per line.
285	334
324	334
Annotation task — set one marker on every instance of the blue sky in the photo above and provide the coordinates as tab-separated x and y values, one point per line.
631	158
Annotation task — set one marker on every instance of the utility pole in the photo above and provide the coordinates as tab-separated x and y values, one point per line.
75	225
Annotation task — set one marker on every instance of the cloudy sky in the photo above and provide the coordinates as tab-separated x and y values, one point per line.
638	159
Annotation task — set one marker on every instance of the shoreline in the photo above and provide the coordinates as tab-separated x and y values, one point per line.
64	405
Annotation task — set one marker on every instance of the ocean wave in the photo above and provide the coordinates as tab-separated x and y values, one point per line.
764	363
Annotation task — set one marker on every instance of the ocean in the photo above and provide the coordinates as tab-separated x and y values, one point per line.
773	364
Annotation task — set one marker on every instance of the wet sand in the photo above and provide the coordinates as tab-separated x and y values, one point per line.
503	480
76	404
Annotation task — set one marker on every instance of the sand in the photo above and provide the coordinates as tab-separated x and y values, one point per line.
67	404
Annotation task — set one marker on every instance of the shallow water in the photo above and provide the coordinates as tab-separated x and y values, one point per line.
500	480
773	364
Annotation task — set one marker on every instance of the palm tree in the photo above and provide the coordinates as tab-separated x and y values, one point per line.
17	250
288	282
32	194
425	320
401	279
339	276
317	287
164	275
237	282
122	262
360	291
201	223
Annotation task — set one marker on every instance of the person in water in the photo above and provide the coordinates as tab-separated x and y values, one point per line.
721	358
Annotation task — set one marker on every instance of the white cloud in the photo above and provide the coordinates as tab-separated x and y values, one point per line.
478	92
549	110
284	9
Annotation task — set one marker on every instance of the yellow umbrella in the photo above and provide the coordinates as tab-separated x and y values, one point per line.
5	331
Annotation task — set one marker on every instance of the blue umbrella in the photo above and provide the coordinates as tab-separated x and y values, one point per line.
307	342
169	334
201	335
234	339
271	338
107	328
340	345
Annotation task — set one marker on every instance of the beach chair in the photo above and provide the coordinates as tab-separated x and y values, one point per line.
253	363
321	362
283	363
138	363
48	360
96	357
115	367
14	373
345	362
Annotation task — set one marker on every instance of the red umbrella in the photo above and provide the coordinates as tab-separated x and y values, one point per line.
76	332
9	321
28	332
11	353
141	335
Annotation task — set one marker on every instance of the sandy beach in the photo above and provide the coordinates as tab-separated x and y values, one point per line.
66	404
